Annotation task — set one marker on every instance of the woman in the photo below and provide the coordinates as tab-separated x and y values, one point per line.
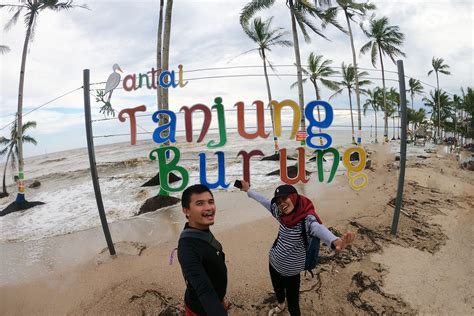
288	253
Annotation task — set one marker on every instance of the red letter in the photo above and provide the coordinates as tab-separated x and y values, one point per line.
260	121
301	167
130	77
188	121
133	123
246	161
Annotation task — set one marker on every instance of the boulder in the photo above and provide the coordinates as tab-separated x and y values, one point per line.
35	184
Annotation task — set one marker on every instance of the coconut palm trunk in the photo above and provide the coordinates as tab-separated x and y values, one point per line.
299	72
269	92
4	186
439	107
357	92
159	36
352	116
385	130
166	49
20	198
376	127
318	97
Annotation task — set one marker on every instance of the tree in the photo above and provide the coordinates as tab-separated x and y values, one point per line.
300	11
319	69
439	67
4	49
440	104
385	39
393	98
265	37
159	52
33	8
468	112
348	82
351	10
373	100
11	148
415	87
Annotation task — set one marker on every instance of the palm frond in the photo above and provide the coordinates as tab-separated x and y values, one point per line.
253	7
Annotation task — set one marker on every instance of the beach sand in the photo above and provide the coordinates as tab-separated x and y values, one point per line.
426	269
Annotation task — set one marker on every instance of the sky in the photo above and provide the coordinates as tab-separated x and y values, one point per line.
204	34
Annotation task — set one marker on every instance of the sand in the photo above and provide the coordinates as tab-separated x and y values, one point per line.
426	269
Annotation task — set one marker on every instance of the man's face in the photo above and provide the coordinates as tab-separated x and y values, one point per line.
201	210
285	205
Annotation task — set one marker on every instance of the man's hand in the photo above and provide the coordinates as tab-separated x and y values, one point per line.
245	186
343	242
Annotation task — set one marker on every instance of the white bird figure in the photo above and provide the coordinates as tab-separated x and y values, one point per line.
113	81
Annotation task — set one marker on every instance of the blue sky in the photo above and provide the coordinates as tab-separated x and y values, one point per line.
204	34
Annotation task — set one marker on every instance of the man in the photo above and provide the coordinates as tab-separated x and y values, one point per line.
200	255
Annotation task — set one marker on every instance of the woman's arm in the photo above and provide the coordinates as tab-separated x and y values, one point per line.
256	196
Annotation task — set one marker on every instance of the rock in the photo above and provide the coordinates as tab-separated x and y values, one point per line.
15	207
157	202
35	184
422	157
276	157
291	171
156	180
368	164
468	163
397	158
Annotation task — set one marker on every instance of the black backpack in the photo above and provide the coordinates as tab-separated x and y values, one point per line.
312	245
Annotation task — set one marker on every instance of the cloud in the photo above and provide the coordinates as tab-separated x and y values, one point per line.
205	34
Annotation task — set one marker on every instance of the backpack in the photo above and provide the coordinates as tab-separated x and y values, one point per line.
196	233
312	249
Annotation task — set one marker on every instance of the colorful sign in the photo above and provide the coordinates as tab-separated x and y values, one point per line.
167	133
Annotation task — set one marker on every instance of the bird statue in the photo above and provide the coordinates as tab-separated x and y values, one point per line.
113	81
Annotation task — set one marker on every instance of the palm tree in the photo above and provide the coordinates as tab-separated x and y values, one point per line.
385	40
351	10
159	52
4	49
300	10
415	87
33	8
457	107
440	104
318	70
439	67
348	82
393	98
265	37
373	100
11	148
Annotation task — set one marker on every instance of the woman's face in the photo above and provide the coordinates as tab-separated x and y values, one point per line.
284	204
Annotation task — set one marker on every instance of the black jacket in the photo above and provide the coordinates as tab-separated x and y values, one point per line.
205	273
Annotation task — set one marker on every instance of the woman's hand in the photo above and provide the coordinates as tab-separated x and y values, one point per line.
245	186
343	242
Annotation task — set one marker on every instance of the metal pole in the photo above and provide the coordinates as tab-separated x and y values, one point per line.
403	146
90	147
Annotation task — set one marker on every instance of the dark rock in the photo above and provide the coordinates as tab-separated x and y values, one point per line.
397	158
368	164
276	157
422	157
15	207
354	156
156	180
292	171
468	163
35	184
314	159
154	203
